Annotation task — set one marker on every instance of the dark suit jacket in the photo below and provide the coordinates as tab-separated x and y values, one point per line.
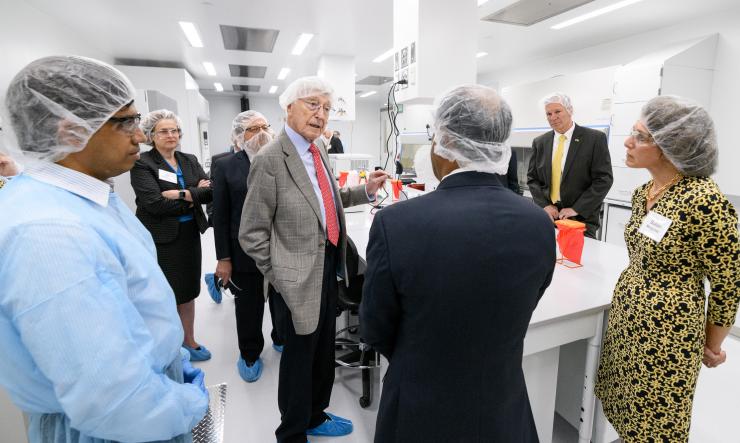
229	175
451	282
586	178
336	146
160	214
511	179
211	173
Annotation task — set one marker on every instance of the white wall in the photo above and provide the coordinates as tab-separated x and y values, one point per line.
361	136
19	46
725	92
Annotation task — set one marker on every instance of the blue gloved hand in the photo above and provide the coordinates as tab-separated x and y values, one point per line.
194	376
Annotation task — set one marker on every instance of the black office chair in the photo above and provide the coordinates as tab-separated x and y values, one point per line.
353	353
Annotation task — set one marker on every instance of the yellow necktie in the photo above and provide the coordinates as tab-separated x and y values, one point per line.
557	170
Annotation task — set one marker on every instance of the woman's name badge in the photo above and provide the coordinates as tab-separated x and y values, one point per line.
655	226
168	176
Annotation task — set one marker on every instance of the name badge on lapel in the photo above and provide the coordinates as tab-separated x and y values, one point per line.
654	226
168	176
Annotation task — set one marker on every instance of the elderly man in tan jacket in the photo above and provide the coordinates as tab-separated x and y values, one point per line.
293	227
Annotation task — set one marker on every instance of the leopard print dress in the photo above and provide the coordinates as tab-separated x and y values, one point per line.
654	343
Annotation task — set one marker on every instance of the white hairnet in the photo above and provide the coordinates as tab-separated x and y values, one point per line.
471	126
305	87
242	121
559	97
149	121
684	131
55	104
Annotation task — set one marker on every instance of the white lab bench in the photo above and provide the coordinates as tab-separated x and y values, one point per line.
573	308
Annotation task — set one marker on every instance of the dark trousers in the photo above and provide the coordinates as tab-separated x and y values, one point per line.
249	304
307	363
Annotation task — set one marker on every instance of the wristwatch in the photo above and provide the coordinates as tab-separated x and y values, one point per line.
182	195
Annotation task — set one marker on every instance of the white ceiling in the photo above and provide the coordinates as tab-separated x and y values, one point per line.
148	29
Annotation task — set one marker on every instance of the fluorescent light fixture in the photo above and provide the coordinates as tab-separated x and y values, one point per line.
367	94
480	2
273	89
481	54
382	57
191	34
219	87
596	13
283	73
210	69
301	44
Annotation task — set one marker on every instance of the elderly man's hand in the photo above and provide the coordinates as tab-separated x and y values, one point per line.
375	181
567	213
552	211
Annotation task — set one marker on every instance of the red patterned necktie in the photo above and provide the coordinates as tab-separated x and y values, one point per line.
332	227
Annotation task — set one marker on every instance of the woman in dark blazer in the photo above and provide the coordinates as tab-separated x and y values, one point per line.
171	188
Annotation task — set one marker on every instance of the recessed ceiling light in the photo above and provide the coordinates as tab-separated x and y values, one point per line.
382	57
210	69
480	2
367	94
301	44
596	13
219	87
191	33
481	54
283	73
273	89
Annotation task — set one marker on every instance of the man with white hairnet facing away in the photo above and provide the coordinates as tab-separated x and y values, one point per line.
570	171
250	132
85	311
293	227
451	282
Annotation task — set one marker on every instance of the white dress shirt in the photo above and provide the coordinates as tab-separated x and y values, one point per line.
568	136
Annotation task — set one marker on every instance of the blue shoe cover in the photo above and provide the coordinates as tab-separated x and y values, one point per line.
249	374
333	427
213	289
200	354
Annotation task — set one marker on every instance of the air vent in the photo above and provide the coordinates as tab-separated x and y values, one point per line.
374	80
247	71
249	39
529	12
247	88
148	63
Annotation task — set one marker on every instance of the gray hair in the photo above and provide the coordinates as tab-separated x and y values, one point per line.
149	122
471	126
55	104
684	131
305	87
560	98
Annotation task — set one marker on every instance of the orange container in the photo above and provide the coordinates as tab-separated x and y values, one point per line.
343	178
396	185
570	242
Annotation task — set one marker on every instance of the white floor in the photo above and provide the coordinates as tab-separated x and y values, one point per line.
252	413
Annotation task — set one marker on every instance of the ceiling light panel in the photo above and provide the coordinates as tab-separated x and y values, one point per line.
247	71
192	34
301	44
384	56
367	94
283	73
596	13
210	69
481	54
246	88
249	39
273	89
529	12
218	86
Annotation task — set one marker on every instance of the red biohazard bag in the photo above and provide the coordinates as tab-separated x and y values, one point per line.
570	242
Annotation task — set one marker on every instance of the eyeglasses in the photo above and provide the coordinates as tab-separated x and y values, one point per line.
168	132
127	124
314	106
641	137
256	129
